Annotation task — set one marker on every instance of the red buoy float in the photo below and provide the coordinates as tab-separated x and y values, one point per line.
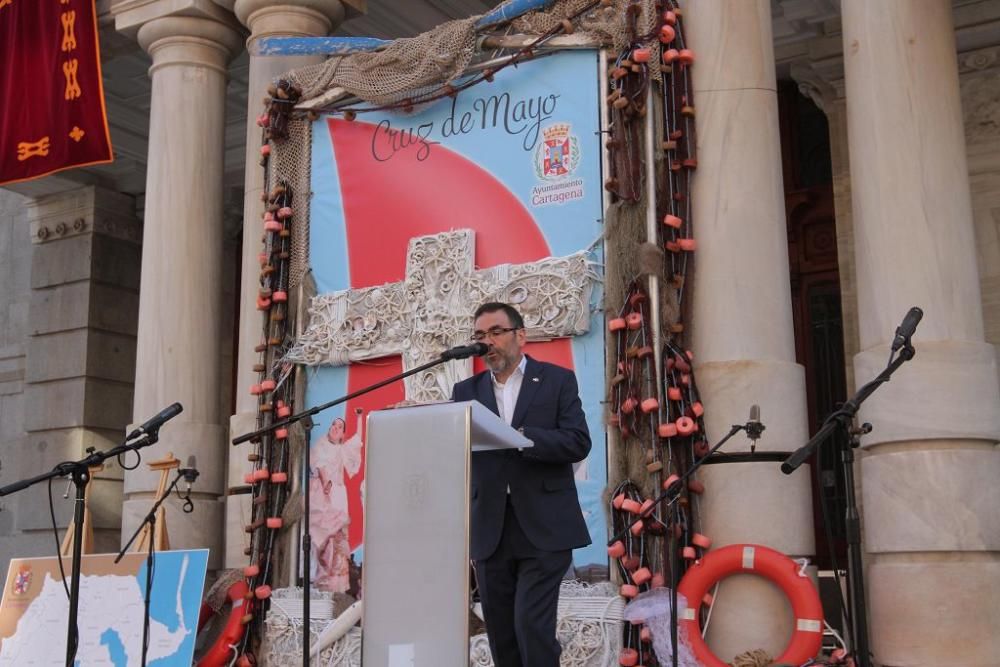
807	637
221	652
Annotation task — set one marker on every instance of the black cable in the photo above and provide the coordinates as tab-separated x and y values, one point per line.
138	460
674	583
55	533
188	506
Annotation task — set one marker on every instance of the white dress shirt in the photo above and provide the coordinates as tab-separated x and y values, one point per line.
507	392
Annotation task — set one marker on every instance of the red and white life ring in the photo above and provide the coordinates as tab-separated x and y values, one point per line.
807	638
221	652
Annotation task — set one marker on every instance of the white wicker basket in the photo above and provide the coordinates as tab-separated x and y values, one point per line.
319	608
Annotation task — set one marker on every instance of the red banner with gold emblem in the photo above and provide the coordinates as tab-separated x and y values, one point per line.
52	113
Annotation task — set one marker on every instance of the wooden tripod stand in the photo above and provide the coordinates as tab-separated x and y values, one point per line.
161	541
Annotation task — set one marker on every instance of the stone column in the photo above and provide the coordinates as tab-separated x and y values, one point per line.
741	320
15	274
264	18
931	526
80	361
181	294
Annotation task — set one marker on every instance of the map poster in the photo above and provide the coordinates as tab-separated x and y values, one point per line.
35	609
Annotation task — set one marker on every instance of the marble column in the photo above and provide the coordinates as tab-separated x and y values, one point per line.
180	300
264	18
741	315
930	467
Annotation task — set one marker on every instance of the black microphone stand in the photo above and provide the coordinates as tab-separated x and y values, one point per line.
843	419
671	494
151	520
80	473
307	463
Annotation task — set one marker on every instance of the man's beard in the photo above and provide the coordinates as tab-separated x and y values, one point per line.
497	361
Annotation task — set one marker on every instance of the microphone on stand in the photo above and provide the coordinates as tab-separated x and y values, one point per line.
190	474
906	328
154	423
753	427
465	351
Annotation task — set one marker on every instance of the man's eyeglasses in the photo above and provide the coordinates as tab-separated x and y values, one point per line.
495	332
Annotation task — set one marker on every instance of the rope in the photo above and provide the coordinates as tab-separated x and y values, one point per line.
756	658
282	643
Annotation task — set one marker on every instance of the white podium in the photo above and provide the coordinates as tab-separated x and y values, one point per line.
415	583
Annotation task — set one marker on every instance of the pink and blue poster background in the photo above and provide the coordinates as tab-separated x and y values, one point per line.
481	161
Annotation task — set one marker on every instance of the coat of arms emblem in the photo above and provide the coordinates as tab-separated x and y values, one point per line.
22	580
558	153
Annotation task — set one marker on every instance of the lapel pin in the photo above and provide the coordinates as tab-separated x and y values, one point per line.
535	380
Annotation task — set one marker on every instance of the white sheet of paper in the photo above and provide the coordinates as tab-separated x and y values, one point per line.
400	655
491	432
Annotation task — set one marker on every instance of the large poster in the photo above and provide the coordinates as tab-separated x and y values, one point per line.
517	161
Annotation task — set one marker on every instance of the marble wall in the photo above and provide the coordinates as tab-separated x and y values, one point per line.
73	265
15	271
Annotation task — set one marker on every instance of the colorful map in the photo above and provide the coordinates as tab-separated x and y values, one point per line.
35	608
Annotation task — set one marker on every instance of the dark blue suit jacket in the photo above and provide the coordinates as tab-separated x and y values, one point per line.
540	478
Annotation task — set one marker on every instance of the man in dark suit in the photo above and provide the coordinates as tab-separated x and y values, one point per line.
526	517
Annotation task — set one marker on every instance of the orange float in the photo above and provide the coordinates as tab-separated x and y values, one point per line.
628	590
221	652
685	425
631	506
807	636
667	430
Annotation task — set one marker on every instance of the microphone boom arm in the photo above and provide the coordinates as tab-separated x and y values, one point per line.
673	492
79	471
843	419
845	415
306	541
291	419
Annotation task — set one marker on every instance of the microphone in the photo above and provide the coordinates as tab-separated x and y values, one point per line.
154	423
906	329
190	473
466	351
753	426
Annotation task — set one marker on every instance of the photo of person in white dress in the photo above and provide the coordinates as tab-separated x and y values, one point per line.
334	458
